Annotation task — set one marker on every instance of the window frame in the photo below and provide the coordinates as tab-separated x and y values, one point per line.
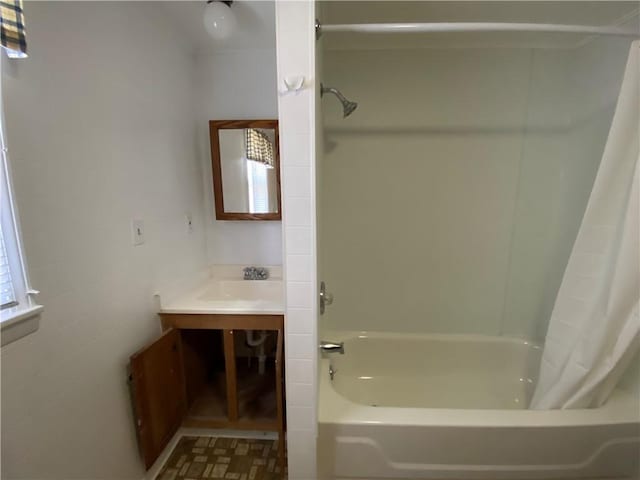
22	319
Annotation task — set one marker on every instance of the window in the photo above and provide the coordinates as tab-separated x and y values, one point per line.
13	291
12	35
7	292
259	155
259	147
258	187
16	303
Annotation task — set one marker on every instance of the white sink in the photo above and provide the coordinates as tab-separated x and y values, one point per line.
228	296
243	290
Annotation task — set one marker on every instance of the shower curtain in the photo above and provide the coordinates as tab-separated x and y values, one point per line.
594	329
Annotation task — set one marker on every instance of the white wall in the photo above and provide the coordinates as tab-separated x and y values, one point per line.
233	85
452	196
101	130
419	187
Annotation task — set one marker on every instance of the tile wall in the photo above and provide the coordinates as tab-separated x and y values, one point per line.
295	52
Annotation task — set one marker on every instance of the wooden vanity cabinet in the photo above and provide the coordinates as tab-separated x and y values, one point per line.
190	377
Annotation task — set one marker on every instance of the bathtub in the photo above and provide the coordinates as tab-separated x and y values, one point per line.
455	407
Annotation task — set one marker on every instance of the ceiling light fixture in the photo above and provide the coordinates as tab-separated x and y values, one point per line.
219	19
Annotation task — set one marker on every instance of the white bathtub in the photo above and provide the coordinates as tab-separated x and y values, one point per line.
454	407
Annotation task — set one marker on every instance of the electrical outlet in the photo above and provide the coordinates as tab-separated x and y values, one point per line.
137	230
189	219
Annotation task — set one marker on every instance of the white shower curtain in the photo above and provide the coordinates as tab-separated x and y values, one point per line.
595	325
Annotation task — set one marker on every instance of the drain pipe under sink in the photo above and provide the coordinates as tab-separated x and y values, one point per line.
259	342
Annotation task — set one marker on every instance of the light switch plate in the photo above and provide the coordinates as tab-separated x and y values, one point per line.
137	230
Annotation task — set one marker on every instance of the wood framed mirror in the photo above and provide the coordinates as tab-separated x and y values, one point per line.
246	169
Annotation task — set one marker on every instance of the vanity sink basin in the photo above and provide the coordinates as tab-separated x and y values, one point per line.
228	296
243	290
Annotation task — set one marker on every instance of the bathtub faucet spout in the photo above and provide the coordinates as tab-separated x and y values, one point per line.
332	347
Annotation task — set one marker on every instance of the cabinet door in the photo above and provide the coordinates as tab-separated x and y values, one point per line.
159	395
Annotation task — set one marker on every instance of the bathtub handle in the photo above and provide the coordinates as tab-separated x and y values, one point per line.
332	347
325	297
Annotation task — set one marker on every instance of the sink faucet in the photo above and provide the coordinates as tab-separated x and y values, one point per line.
255	273
332	347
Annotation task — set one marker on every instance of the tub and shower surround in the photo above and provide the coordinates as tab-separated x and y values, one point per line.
451	200
451	204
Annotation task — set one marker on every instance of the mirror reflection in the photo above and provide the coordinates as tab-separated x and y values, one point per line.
245	161
248	174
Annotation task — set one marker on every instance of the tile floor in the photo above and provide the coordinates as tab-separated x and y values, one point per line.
196	458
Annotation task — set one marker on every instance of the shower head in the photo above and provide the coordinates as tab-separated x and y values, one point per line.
348	108
347	105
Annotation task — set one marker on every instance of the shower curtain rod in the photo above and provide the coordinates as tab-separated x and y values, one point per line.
473	27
